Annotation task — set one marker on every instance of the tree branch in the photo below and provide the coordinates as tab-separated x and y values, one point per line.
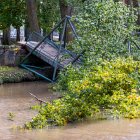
41	101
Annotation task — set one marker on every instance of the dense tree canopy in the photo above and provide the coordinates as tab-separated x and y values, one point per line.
12	13
16	12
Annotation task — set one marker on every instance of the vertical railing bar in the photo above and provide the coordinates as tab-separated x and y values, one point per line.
129	46
59	51
72	28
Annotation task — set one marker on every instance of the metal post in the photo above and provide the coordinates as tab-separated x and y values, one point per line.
59	51
129	47
138	47
65	34
72	28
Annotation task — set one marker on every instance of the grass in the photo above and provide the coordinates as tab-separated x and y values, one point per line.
15	75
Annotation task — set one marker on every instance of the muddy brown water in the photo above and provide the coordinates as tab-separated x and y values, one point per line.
15	98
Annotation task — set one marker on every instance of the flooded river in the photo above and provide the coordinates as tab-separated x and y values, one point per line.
15	99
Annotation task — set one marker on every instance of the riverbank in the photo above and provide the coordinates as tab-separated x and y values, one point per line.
15	75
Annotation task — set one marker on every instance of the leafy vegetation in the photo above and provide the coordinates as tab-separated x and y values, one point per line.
107	25
108	84
11	116
48	14
13	75
11	13
106	89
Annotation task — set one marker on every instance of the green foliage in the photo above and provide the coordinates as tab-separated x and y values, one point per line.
125	106
109	88
13	75
113	86
11	116
48	13
103	27
108	84
11	13
60	112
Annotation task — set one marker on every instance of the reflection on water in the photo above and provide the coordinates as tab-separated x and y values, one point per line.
100	130
21	90
15	98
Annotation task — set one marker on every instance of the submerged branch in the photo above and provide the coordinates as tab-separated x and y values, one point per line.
41	101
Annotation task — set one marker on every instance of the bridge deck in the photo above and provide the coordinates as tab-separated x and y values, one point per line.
49	53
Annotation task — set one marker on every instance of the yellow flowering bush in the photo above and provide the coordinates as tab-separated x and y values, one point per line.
110	88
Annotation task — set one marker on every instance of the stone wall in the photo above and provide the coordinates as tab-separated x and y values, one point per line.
11	55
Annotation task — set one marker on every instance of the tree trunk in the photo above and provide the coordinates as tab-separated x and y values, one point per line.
26	30
6	36
18	34
66	9
136	5
32	16
128	2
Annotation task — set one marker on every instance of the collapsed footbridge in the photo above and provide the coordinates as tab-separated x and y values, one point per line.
47	57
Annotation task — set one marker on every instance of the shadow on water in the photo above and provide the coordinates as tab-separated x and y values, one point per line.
15	98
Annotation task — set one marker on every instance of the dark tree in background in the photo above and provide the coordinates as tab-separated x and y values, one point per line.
135	4
66	9
32	16
6	36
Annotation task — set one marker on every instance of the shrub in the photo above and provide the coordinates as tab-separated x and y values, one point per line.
103	27
107	83
106	88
